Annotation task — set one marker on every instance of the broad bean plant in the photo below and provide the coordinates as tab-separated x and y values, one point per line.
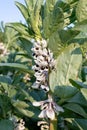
43	67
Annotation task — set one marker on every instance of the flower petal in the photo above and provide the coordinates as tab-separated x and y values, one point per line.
50	113
35	85
42	114
57	108
37	103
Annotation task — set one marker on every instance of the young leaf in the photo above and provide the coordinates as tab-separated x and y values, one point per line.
23	10
53	21
21	29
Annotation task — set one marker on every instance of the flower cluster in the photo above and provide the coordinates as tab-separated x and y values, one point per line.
19	125
44	61
3	50
49	108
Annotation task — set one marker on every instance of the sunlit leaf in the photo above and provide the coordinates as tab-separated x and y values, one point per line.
81	10
67	66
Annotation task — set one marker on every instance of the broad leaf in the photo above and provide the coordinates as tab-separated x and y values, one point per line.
60	39
55	44
79	98
65	92
6	125
26	45
80	123
81	10
67	66
82	27
5	79
76	108
16	66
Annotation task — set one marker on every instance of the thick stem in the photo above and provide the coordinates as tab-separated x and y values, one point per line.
53	124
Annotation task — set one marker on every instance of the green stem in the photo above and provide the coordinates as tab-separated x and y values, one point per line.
53	124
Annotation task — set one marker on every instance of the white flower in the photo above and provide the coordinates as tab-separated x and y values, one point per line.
44	43
44	87
18	124
36	85
45	52
49	108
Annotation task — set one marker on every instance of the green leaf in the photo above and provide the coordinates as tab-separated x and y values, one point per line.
5	79
53	22
36	20
26	45
23	10
78	98
19	104
77	84
16	66
80	123
49	6
76	108
65	92
84	73
34	8
67	36
84	92
60	39
55	44
82	27
26	112
11	36
30	5
5	105
81	10
21	29
67	67
6	125
27	95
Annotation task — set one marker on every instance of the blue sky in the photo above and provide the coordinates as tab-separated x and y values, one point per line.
9	12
